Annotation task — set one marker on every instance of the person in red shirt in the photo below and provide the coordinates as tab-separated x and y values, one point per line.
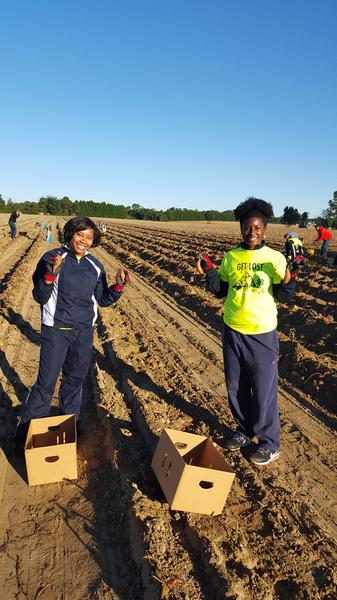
325	236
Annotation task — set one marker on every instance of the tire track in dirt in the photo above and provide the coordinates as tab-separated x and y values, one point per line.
13	256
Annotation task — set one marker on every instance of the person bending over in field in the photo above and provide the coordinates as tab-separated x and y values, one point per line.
69	283
325	237
252	277
12	223
293	249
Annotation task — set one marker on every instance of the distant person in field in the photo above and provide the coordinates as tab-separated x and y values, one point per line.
43	226
12	223
252	277
49	237
293	249
69	284
324	236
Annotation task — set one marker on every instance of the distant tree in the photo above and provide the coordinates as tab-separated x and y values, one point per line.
227	215
2	204
210	215
52	205
322	220
42	204
304	219
28	207
65	206
331	212
290	215
10	205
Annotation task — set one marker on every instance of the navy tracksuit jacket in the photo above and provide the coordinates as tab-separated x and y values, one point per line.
68	313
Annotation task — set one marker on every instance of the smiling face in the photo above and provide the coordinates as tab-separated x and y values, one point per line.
253	230
82	241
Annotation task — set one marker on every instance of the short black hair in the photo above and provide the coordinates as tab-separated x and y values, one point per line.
79	224
253	207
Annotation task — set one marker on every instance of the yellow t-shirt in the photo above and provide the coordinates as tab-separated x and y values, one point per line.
296	241
250	307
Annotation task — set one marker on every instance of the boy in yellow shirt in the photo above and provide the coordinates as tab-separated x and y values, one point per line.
293	249
251	277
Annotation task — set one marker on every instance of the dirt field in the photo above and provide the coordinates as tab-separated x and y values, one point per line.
158	363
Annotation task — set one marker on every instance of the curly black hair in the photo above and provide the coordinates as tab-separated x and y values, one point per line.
79	224
253	207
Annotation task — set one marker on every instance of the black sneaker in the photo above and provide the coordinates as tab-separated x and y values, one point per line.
19	439
264	456
237	441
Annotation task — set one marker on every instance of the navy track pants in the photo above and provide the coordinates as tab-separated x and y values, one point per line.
12	226
251	374
60	349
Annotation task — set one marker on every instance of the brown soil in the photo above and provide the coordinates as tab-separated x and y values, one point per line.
158	363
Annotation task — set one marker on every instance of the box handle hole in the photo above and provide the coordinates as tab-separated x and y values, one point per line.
168	469
206	485
180	445
52	459
53	427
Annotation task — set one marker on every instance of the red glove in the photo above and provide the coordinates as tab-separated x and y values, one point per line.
295	265
205	262
53	267
120	282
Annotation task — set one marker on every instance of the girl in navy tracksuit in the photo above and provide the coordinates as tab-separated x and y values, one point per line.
69	283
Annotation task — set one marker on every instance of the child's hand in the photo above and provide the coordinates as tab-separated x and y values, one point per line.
122	278
53	267
287	276
203	263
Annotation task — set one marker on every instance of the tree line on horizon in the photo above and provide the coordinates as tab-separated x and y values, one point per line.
65	206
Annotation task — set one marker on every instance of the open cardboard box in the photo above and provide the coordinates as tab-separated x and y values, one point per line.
50	449
192	474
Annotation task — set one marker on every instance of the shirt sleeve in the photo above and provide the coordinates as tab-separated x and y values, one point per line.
41	290
215	285
105	295
280	268
283	292
223	271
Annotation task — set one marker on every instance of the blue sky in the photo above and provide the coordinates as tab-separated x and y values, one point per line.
183	103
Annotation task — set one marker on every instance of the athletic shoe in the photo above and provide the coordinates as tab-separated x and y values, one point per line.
237	441
264	456
19	438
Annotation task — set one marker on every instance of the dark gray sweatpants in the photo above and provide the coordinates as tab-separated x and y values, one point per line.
251	374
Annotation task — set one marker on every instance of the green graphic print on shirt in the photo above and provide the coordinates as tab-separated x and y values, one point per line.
250	307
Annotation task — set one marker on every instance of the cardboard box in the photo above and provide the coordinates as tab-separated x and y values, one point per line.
50	449
192	474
